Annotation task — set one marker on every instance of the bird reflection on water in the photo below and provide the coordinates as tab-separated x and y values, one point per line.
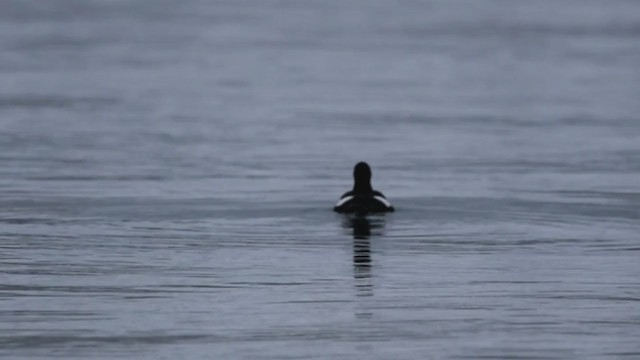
363	228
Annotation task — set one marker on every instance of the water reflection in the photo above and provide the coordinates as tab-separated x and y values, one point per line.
362	228
362	255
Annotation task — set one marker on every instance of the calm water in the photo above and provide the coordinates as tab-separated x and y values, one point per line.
167	170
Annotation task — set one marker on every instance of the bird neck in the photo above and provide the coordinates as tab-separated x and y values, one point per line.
362	187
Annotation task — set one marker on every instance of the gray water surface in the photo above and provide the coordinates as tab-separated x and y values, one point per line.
168	168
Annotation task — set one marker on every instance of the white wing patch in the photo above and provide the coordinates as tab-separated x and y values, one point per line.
344	200
383	200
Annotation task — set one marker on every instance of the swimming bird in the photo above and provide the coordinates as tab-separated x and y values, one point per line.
362	199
